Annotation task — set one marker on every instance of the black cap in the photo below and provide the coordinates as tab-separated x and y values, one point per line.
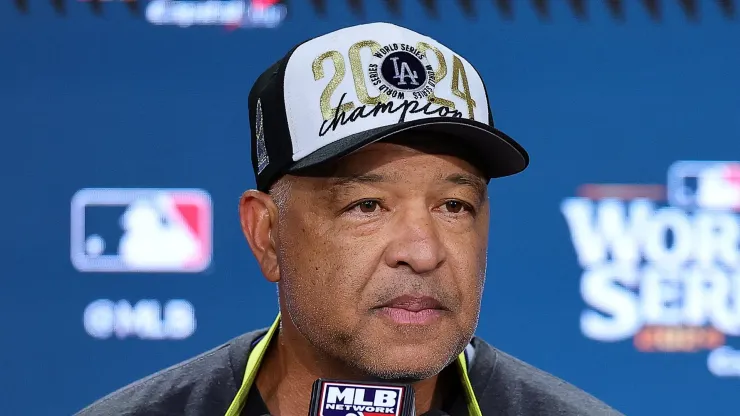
336	93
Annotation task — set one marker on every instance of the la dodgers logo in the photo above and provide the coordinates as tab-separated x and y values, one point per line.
404	72
398	69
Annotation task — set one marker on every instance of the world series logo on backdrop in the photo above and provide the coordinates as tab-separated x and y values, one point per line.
398	80
665	275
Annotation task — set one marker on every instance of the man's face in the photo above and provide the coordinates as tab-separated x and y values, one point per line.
382	262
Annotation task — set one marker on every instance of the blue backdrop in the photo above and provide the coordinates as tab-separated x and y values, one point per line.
630	292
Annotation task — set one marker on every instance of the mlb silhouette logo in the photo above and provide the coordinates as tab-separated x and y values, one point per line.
141	230
704	184
349	399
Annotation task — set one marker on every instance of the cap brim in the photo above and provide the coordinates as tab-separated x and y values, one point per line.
498	153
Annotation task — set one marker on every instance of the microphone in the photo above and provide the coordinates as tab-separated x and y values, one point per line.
361	398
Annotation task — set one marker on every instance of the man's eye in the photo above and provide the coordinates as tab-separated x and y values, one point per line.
367	207
455	207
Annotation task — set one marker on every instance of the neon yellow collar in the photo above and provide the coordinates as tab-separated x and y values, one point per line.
258	352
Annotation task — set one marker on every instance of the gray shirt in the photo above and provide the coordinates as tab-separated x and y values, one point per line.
206	385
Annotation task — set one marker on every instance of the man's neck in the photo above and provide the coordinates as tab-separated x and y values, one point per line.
290	367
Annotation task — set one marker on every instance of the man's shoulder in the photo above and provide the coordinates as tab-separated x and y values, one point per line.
203	385
506	385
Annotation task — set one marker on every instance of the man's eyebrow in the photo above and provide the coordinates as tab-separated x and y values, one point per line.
470	180
338	184
355	178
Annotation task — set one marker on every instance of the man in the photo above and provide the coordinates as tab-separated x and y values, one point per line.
371	214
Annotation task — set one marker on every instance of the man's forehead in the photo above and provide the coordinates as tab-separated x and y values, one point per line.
391	176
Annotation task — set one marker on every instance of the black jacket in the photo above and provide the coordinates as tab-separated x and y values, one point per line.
206	385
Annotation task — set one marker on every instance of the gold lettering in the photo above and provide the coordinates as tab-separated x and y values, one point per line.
339	70
458	73
439	73
355	64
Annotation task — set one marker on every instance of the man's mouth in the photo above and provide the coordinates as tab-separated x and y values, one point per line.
412	310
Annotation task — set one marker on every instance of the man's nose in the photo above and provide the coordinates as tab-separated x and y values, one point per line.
415	241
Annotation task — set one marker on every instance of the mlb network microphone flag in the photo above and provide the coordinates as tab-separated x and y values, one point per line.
350	398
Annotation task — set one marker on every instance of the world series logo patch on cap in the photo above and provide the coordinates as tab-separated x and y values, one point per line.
349	399
398	69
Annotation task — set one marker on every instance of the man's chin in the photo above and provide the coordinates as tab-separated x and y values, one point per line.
404	375
407	364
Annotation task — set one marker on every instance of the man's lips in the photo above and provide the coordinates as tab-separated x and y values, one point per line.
412	310
413	303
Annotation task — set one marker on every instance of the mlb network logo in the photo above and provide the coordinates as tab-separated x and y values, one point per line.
345	399
141	230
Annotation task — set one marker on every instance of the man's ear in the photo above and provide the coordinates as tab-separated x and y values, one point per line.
259	218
